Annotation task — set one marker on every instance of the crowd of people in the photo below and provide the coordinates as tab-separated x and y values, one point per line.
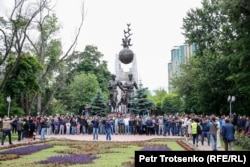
209	129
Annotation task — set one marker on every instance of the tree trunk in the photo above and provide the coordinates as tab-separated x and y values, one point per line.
48	102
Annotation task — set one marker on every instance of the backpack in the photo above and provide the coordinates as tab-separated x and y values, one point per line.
199	129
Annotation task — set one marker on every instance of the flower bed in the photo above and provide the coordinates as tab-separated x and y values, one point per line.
27	150
6	157
156	148
69	159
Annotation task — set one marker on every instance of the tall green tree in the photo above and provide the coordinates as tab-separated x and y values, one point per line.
90	61
98	105
81	91
140	105
23	82
206	84
238	13
172	103
157	98
32	27
14	30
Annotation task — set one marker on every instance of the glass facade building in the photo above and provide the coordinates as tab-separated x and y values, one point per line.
179	55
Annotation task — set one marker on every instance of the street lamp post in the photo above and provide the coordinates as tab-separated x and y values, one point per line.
230	99
9	101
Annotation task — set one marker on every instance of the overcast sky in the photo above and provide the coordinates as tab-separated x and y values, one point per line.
156	28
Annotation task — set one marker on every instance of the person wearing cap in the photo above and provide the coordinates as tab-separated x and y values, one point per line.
6	129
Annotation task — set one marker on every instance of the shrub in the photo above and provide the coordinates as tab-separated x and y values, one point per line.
243	141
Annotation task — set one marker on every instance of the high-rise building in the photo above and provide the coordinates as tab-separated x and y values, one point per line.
179	55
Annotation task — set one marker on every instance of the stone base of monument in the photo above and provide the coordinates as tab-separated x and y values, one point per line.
118	114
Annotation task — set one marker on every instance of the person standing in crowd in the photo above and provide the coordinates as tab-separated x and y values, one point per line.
247	125
95	123
108	129
218	133
86	110
7	129
43	128
32	128
68	127
213	133
189	129
205	131
13	125
19	128
194	132
228	137
73	124
123	103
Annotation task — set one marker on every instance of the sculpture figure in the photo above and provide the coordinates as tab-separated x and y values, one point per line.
129	86
112	86
126	41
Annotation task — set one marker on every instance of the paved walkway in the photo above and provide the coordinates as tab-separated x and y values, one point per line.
115	138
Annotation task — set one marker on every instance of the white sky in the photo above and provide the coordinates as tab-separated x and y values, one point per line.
156	28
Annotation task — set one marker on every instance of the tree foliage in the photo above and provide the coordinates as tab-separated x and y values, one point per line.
90	61
98	105
220	31
81	91
32	27
140	105
172	104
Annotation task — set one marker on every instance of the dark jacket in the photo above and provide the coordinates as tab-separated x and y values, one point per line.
19	125
149	122
107	124
95	123
44	124
228	131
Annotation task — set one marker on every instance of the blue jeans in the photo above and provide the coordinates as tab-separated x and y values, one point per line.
207	135
108	134
83	129
6	132
102	129
168	129
95	133
213	141
127	129
73	131
195	138
178	130
43	133
131	129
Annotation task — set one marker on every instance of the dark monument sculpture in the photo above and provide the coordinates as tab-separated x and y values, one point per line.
112	86
126	55
127	86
